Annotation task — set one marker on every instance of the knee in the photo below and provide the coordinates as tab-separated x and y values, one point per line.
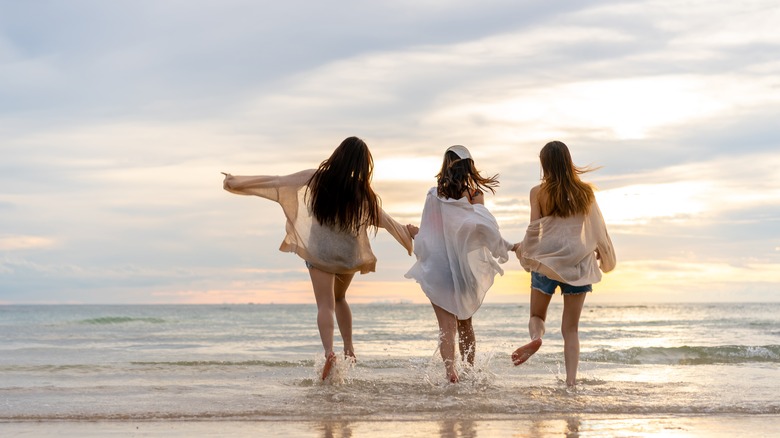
569	330
446	338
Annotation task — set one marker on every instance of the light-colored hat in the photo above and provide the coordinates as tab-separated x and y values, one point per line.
460	151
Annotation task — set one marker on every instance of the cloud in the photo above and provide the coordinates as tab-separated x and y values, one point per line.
15	243
116	119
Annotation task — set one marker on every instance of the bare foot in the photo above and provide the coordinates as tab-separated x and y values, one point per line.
349	356
452	377
526	351
329	361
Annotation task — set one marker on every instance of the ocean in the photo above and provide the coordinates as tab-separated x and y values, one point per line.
645	370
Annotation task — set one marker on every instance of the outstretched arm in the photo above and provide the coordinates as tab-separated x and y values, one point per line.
401	233
266	186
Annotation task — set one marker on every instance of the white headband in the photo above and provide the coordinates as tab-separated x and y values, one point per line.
460	151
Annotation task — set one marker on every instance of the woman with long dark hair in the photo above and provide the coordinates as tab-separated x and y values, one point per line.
456	248
329	212
566	245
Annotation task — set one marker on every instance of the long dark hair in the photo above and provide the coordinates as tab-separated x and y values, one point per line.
459	175
339	193
566	194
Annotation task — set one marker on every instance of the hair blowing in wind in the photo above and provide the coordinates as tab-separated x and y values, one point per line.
566	194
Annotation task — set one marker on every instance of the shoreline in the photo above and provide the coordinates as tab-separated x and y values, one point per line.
528	425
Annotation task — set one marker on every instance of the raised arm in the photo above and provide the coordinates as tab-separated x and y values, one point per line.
266	186
263	186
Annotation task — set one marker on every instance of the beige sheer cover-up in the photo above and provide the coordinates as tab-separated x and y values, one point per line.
564	249
458	250
326	248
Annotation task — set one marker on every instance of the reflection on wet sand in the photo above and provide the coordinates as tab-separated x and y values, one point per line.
529	425
458	428
453	428
534	426
336	429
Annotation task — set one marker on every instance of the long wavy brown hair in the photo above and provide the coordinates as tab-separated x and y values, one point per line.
565	193
459	175
339	193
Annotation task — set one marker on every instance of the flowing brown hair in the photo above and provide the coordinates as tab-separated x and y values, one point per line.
340	193
566	194
459	175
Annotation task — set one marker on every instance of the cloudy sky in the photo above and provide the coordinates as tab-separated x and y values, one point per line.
117	117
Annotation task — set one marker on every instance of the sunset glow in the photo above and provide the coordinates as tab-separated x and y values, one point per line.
114	137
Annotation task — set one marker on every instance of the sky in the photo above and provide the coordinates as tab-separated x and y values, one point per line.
116	119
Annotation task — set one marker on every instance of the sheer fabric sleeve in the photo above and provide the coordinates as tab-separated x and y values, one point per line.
604	246
265	186
398	231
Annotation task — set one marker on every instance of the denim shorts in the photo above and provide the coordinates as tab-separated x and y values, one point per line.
547	285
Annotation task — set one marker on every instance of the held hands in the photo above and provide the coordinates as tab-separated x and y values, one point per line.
517	248
413	230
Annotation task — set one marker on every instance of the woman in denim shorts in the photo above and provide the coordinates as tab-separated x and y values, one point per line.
566	246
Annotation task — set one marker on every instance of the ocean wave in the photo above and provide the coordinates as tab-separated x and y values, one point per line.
687	355
119	320
57	368
414	410
376	364
227	363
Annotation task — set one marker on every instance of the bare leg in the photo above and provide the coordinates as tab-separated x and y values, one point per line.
570	321
343	312
323	284
539	304
467	342
447	329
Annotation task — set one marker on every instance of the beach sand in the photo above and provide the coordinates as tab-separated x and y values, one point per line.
531	426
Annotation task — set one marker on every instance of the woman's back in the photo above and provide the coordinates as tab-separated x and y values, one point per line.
347	171
562	192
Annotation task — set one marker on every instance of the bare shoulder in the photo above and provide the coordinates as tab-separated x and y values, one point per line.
536	204
304	173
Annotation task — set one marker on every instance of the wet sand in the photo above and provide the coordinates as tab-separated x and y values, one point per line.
529	426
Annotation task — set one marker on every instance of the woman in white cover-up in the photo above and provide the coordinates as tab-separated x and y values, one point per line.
566	245
456	248
329	211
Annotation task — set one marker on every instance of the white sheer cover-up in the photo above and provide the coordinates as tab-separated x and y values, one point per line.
458	250
326	248
564	249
